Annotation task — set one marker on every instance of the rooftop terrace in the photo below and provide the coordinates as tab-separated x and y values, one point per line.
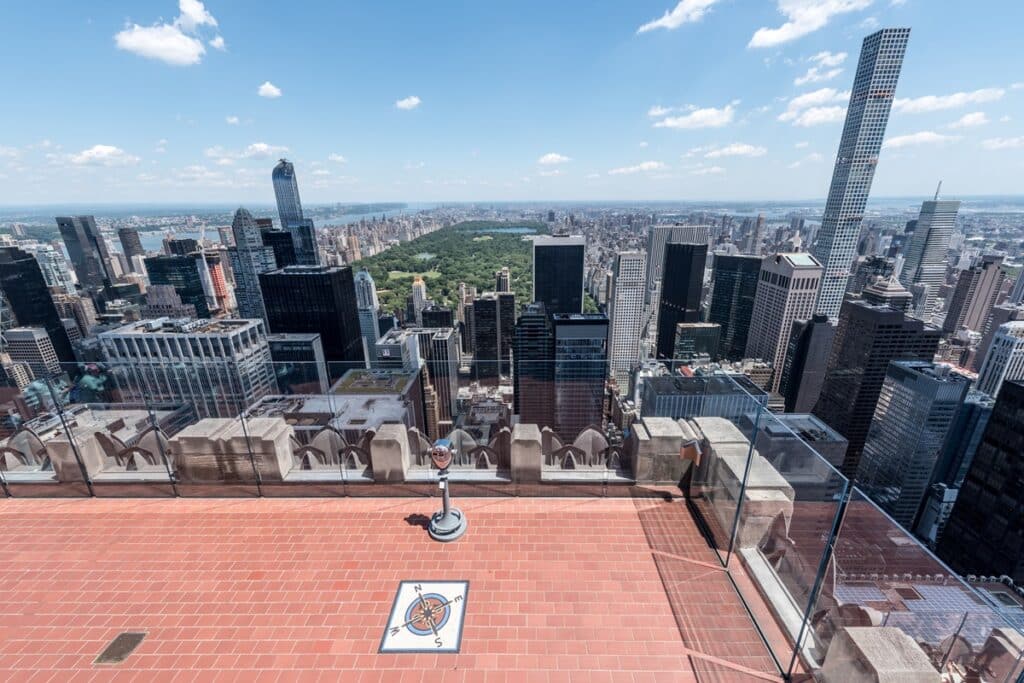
284	589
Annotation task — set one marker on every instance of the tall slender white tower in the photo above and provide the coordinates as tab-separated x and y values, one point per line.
874	87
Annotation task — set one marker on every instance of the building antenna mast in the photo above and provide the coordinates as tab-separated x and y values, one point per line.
938	190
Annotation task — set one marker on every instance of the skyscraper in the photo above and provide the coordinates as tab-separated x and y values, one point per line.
977	290
871	98
439	350
660	235
502	280
369	311
696	340
997	317
88	252
916	407
534	372
217	367
419	298
438	316
249	258
289	209
1004	360
625	309
867	270
985	533
131	244
286	191
965	435
321	300
486	342
283	245
888	292
32	346
926	260
752	240
55	267
29	299
506	329
786	292
803	371
868	338
580	373
733	289
182	273
679	301
558	273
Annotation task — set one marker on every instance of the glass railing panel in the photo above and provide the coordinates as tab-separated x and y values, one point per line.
211	453
120	434
721	456
39	440
882	577
791	501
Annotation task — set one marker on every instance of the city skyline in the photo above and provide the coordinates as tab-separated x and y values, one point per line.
695	100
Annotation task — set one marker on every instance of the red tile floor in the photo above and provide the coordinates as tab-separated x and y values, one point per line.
561	589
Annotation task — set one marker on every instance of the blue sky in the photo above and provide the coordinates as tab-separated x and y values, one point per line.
649	99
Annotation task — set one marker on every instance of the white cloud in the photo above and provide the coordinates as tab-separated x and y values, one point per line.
709	117
707	170
1004	143
827	58
971	120
686	12
174	43
736	149
193	15
413	165
815	107
924	137
165	42
321	172
801	145
8	152
825	67
645	166
813	157
550	173
261	150
1017	86
269	90
928	103
218	43
816	116
552	158
643	144
816	75
658	110
337	158
161	146
803	17
408	103
103	155
231	120
592	176
257	150
1005	119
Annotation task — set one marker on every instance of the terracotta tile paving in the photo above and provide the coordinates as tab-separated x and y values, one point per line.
561	590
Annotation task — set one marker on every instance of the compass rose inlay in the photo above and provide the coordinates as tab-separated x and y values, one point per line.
426	616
